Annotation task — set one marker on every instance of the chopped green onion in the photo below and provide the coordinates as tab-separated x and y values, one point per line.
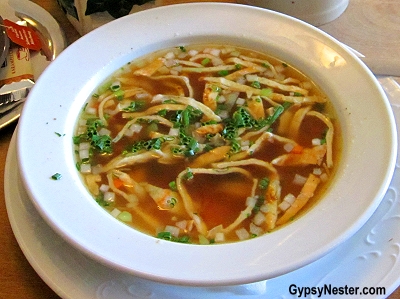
172	186
223	73
125	216
235	146
115	86
203	240
169	237
185	117
100	200
153	127
162	112
134	106
266	92
278	110
119	94
189	174
323	138
263	184
172	202
205	61
266	65
216	88
259	203
57	176
256	84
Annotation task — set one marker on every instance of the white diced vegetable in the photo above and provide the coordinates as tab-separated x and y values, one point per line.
259	218
316	141
289	198
219	237
109	197
86	168
256	230
174	230
104	188
299	180
284	205
288	147
242	234
115	212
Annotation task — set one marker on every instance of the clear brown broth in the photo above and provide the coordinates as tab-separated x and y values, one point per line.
218	199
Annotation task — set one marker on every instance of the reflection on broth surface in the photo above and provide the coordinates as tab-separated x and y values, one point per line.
207	144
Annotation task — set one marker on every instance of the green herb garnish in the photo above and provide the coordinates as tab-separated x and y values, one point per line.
101	143
135	106
169	237
57	176
263	184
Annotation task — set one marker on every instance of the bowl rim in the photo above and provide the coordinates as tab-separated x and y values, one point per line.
81	227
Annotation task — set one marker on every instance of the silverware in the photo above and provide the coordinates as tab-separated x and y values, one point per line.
52	36
53	42
47	44
13	98
4	43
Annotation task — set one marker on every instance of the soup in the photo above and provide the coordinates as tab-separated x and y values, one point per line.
207	144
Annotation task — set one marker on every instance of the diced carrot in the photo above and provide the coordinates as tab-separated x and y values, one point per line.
118	183
297	149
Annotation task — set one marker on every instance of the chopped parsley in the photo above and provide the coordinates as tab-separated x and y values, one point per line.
100	200
172	186
135	106
57	176
151	144
223	73
263	184
189	174
100	143
169	237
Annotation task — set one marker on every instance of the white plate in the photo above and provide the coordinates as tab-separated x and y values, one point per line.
374	249
39	61
362	108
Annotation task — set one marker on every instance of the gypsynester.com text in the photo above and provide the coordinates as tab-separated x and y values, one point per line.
327	289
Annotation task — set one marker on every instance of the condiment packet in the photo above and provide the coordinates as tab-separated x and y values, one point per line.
22	35
18	66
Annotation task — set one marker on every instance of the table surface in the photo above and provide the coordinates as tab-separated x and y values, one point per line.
18	278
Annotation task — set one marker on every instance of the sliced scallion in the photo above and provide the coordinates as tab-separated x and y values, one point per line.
57	176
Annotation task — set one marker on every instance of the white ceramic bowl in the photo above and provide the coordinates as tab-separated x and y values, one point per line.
366	166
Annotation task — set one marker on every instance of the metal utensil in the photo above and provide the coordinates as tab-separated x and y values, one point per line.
52	36
12	99
4	43
48	49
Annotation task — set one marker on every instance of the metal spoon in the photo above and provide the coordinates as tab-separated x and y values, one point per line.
48	48
52	36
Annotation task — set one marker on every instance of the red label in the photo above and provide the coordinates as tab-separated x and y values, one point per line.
22	35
